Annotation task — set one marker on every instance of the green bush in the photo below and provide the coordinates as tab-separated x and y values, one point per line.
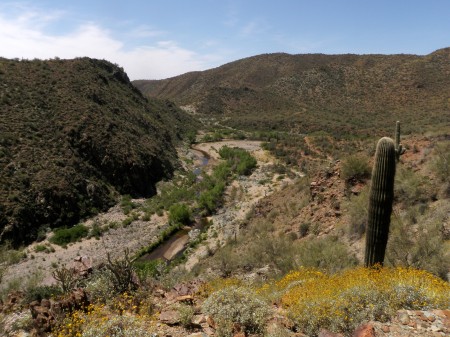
209	199
63	236
410	187
179	214
41	292
357	208
327	254
441	161
238	159
355	167
237	305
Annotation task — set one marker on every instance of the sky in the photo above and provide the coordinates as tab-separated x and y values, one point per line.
156	39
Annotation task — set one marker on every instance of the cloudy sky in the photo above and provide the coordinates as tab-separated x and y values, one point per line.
154	39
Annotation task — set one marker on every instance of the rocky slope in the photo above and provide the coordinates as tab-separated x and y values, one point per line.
340	94
73	134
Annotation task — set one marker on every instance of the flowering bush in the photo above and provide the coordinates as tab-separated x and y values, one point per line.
121	318
342	301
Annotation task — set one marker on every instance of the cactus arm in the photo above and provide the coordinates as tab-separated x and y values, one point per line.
399	150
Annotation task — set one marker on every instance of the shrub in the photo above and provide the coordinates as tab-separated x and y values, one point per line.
342	301
179	214
99	286
237	305
63	236
127	204
441	161
410	187
355	167
324	253
122	271
423	248
40	248
304	229
238	159
66	278
186	313
41	292
357	209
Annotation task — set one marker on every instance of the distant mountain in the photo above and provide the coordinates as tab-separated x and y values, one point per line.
340	94
74	134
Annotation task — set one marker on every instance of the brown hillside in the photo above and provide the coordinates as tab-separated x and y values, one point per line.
73	133
336	93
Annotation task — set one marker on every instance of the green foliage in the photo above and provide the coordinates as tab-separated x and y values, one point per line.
380	202
425	247
127	204
441	162
238	159
325	254
356	208
355	167
40	292
64	236
179	214
80	136
209	199
410	187
149	269
237	305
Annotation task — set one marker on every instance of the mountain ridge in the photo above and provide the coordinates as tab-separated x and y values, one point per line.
314	92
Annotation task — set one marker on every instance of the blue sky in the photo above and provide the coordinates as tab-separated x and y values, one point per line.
154	39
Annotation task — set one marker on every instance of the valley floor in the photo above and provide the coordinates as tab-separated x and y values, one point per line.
241	196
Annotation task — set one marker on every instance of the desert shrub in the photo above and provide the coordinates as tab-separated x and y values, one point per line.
150	269
63	236
324	253
66	278
237	305
116	326
355	167
186	313
410	187
99	286
424	247
357	208
180	214
304	229
103	321
441	161
97	230
238	159
210	199
40	248
127	204
40	292
340	302
123	273
9	255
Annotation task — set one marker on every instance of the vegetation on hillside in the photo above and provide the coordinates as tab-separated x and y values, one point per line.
347	94
74	134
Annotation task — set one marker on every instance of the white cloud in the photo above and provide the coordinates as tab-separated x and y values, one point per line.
25	36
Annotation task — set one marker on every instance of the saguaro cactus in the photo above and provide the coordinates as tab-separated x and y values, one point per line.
380	201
